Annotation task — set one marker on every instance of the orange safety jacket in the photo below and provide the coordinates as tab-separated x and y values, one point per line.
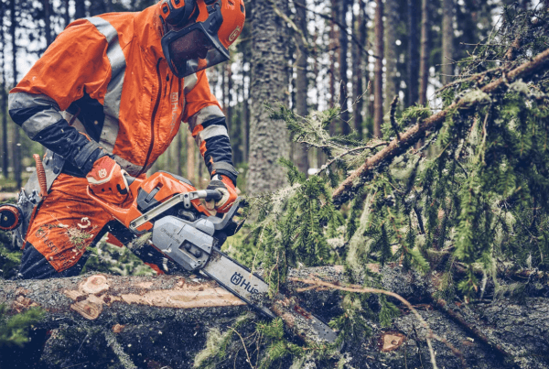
103	87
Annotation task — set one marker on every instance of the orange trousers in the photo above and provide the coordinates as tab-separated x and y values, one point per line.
66	222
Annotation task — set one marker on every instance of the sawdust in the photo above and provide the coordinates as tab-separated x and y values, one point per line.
79	237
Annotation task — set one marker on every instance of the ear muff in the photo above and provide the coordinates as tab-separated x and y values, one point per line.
178	12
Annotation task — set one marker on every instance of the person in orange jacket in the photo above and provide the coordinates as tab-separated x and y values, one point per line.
107	98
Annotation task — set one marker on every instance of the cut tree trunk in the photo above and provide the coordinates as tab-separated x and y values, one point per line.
145	322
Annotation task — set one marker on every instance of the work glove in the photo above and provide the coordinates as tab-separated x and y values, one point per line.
227	188
106	180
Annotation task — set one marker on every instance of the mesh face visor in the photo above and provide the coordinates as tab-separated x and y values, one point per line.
192	49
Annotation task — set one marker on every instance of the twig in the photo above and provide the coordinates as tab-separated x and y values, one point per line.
361	148
343	28
392	117
469	78
243	344
479	44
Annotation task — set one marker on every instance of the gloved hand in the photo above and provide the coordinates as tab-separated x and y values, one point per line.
225	186
107	181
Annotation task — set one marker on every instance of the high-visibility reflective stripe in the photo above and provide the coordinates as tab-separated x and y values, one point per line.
212	131
205	114
111	107
22	101
189	83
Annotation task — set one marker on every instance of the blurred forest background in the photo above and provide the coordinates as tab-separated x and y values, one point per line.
412	133
356	54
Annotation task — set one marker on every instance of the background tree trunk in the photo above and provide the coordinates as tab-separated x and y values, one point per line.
191	158
413	55
97	7
16	144
333	50
424	58
66	13
343	66
245	116
179	153
47	21
378	70
79	9
5	151
447	41
268	138
301	152
391	80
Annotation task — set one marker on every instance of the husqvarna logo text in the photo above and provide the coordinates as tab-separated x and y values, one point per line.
238	280
235	34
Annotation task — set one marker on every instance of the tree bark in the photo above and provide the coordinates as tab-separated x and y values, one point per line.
47	21
413	55
79	9
191	158
343	66
268	138
5	152
245	115
165	321
301	152
178	154
396	147
66	14
447	41
97	7
333	54
16	144
391	84
378	70
424	58
359	27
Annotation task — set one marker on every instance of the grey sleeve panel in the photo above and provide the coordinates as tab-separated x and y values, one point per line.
33	113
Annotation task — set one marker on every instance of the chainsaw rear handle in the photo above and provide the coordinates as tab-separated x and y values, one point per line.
213	195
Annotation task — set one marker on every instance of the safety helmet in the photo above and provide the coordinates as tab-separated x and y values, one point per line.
198	33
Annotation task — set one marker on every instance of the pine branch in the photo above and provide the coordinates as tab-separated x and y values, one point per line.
349	186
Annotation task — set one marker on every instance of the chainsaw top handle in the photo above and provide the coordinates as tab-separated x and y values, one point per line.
128	214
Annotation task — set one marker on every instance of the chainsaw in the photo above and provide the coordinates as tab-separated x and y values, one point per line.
183	230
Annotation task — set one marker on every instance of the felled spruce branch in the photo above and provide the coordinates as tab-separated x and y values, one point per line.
349	186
